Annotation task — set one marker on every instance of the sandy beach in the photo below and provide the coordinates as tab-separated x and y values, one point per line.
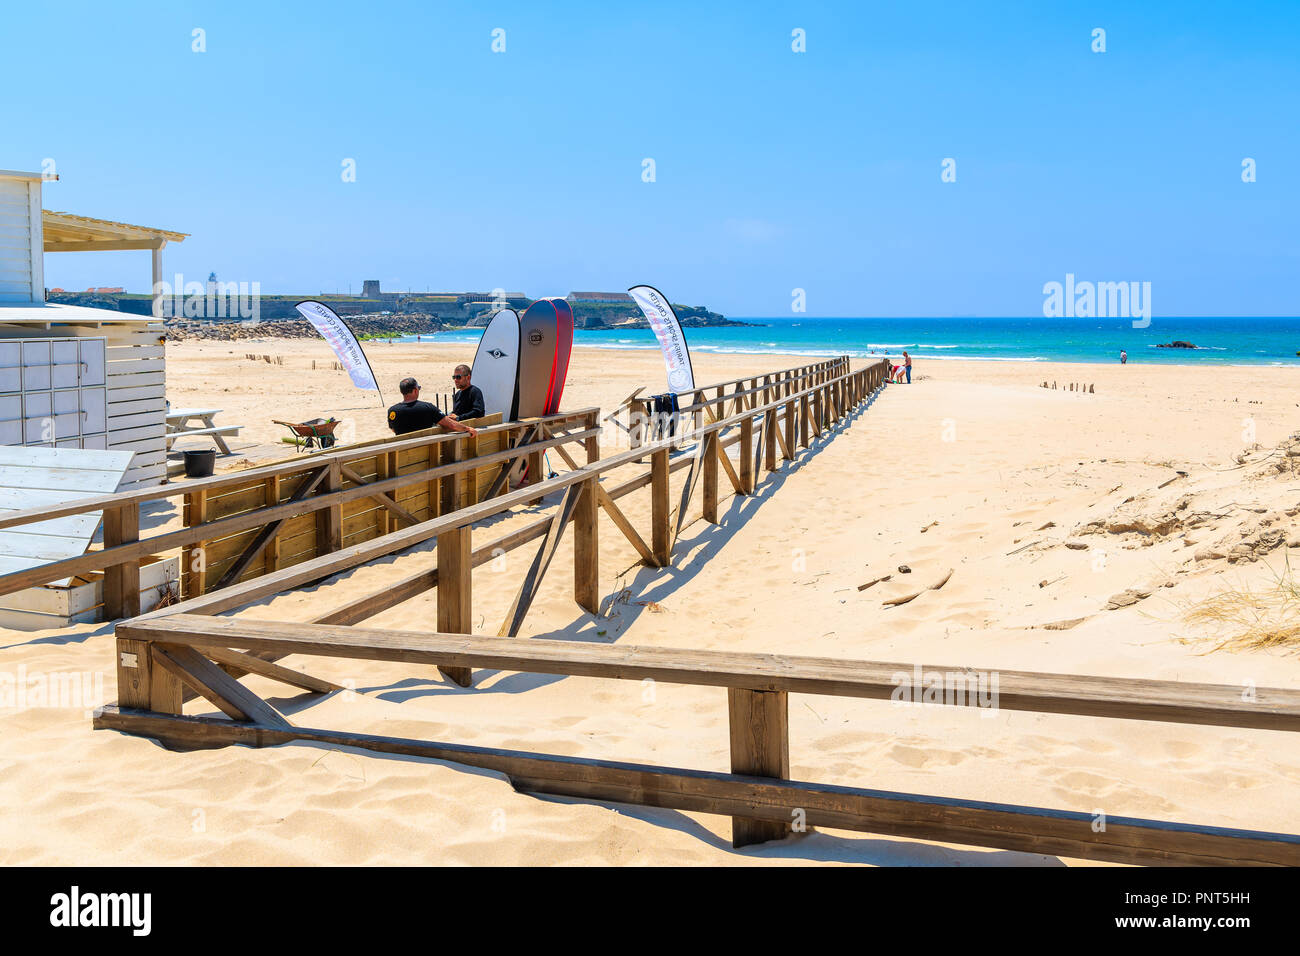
1047	505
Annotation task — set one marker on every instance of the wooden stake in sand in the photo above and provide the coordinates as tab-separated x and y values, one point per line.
863	587
894	602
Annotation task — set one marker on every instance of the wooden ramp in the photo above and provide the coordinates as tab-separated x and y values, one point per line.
49	477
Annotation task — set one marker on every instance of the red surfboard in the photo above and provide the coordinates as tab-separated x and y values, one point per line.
563	350
537	336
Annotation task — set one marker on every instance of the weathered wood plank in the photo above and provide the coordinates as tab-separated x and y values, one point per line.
1065	833
219	688
1117	697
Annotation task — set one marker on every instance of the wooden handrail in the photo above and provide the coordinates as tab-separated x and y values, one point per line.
1220	705
342	456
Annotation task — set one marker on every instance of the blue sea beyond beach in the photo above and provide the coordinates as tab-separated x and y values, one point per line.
1218	341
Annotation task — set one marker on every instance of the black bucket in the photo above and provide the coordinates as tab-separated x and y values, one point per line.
199	463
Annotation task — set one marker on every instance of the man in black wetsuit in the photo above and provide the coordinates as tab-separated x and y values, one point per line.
411	414
468	399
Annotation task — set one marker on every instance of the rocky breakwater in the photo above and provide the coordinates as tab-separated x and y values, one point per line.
365	326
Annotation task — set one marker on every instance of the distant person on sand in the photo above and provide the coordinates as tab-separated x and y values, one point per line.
467	402
412	415
1123	357
907	366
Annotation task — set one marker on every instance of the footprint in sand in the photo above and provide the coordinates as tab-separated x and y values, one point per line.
917	757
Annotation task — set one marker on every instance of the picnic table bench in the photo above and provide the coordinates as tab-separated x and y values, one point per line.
178	426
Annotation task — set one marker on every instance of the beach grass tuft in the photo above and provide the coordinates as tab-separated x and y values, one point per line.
1249	618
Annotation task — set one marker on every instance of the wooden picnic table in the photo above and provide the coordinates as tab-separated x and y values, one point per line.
178	426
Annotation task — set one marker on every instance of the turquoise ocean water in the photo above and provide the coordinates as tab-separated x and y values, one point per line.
1219	341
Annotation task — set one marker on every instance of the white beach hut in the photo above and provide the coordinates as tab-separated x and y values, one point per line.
75	377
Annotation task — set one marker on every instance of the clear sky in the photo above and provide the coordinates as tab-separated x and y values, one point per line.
774	170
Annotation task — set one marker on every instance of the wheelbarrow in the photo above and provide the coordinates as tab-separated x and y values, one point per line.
319	432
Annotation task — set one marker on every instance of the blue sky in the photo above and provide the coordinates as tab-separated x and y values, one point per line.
775	170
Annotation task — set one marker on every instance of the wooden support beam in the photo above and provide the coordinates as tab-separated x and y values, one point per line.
499	483
207	679
1033	830
760	747
711	453
386	500
122	581
269	531
248	664
586	546
615	513
532	581
688	489
455	593
660	538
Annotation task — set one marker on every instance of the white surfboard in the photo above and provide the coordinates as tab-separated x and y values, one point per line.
496	365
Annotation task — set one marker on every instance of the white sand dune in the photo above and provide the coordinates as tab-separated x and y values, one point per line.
978	448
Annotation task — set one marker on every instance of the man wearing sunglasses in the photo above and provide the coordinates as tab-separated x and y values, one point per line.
467	402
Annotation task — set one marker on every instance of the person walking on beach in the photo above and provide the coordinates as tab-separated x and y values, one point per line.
467	401
413	415
907	366
1123	357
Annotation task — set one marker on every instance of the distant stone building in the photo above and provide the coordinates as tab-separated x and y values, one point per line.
601	298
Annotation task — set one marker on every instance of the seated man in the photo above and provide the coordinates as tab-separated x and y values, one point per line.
412	415
467	402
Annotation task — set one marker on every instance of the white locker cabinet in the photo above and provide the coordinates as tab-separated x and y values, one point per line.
11	419
67	414
53	391
65	370
36	365
38	418
94	410
11	367
93	362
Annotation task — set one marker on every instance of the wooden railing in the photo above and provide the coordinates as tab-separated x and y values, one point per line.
161	657
808	413
257	521
429	471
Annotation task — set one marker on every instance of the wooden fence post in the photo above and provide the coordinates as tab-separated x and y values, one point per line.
455	593
803	421
746	454
711	452
760	747
141	685
769	439
329	521
593	443
453	485
122	581
788	451
660	532
586	548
